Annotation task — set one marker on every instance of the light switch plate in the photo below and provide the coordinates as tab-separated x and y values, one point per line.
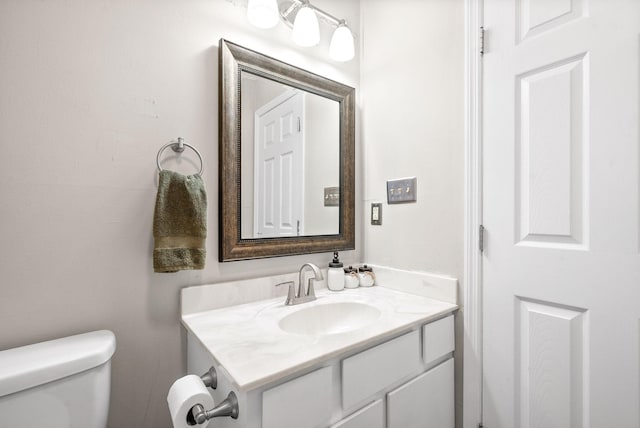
376	214
332	196
401	190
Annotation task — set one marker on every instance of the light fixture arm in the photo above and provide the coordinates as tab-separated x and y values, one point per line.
289	8
332	19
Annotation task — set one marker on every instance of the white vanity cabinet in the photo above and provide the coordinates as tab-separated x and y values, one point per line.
403	382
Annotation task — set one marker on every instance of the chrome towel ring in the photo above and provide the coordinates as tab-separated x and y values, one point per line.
178	147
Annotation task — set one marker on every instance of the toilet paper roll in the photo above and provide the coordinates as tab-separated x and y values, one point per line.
185	393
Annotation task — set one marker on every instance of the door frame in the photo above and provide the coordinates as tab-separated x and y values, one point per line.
472	282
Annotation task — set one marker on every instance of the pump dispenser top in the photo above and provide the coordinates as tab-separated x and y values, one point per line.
335	263
335	274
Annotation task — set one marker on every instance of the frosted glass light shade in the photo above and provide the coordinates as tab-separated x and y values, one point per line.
306	31
263	13
341	47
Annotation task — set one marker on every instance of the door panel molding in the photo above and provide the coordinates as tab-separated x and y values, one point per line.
551	345
536	17
552	146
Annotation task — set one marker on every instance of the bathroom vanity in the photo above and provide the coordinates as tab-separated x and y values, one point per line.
369	357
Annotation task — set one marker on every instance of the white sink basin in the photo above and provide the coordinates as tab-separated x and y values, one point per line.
329	318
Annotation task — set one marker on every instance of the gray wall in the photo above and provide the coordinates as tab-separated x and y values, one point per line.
90	90
413	125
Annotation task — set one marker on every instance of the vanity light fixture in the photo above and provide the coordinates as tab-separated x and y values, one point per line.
263	13
341	48
306	31
303	17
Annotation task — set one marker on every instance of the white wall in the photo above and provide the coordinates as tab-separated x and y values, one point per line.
90	90
411	103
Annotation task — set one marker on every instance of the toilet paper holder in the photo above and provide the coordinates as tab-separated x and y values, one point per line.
228	407
210	378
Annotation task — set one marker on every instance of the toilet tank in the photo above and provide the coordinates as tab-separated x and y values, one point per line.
62	383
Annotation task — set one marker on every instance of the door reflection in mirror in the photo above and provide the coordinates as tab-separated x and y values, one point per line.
290	149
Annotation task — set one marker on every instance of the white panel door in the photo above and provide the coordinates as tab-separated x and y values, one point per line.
561	266
279	160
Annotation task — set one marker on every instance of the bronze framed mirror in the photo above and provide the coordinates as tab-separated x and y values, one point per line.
287	159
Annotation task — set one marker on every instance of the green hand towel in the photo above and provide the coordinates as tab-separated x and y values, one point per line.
179	223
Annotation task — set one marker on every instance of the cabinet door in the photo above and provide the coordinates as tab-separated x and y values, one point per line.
304	402
438	339
371	416
424	402
368	373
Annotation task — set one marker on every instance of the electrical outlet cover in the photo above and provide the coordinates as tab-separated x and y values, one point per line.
376	214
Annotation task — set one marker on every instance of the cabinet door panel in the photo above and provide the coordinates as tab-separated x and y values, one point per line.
304	402
438	339
375	369
424	402
371	416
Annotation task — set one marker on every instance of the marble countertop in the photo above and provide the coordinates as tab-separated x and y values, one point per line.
247	341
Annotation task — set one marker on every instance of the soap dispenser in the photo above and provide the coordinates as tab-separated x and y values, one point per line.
335	275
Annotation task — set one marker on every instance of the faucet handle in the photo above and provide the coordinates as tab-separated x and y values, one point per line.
291	294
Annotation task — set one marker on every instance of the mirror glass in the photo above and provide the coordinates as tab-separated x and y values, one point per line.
290	165
287	159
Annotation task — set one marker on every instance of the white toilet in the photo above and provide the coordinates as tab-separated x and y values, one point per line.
63	383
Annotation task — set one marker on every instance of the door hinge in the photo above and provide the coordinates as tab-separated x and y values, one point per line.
299	125
481	241
481	41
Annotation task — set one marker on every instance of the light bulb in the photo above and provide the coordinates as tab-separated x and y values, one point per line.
305	27
341	48
263	13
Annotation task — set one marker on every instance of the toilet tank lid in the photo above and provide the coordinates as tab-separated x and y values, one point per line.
32	365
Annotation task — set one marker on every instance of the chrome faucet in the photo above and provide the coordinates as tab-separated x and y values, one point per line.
304	294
